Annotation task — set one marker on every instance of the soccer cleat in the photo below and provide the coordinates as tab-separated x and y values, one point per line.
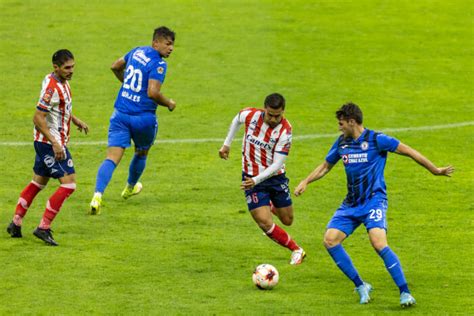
297	256
95	205
406	300
129	191
45	235
364	291
14	231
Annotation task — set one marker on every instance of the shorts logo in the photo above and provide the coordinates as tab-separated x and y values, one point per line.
364	145
160	70
69	163
49	161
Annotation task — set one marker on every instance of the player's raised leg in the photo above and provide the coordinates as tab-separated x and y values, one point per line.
106	170
24	202
333	239
378	239
263	217
285	214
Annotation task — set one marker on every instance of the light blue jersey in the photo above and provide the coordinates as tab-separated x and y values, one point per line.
143	63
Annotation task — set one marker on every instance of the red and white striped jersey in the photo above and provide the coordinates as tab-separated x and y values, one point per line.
55	98
261	141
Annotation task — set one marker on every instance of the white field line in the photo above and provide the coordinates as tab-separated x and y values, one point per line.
219	140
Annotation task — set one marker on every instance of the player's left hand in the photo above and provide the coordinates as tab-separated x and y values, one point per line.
81	126
247	184
444	171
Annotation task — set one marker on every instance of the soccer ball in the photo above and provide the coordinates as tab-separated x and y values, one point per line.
265	276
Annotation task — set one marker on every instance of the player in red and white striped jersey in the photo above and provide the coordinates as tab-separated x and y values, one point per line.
265	147
53	160
55	99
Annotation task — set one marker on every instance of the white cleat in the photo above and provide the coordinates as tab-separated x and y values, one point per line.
297	256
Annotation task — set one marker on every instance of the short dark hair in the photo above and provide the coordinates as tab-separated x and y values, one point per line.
350	111
275	101
62	56
163	32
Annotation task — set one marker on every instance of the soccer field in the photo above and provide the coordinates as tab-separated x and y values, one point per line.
187	245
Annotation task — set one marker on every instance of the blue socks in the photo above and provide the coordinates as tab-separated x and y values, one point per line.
104	175
344	262
137	165
394	267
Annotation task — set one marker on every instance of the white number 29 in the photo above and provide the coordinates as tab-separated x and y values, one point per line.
376	215
136	77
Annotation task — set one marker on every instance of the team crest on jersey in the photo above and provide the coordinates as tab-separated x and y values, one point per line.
364	145
345	159
160	70
70	163
48	95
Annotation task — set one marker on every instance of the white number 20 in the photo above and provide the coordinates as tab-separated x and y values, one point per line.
136	77
376	215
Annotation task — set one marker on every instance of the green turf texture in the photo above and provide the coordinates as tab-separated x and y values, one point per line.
187	245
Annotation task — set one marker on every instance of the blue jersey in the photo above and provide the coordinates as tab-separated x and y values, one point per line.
364	161
143	63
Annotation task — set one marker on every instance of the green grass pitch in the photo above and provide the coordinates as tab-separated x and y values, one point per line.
186	245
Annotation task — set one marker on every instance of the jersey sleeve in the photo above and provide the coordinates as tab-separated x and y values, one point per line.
242	116
158	71
284	143
333	156
128	55
49	97
387	143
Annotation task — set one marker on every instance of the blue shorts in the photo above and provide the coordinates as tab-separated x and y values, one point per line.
141	128
47	166
273	189
372	213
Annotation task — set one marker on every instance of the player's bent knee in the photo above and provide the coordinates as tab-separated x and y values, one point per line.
287	220
141	153
330	242
379	245
265	226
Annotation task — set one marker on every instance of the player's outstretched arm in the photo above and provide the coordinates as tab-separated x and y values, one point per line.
234	127
154	92
81	126
317	174
118	67
406	150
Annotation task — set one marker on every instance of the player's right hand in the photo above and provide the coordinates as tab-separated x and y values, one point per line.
171	105
301	188
224	152
59	151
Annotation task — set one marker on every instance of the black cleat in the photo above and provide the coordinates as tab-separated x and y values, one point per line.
45	235
14	231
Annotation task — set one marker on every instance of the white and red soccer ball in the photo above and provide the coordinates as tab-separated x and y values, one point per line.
265	276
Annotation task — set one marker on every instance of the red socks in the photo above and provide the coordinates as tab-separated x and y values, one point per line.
53	206
280	236
26	198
